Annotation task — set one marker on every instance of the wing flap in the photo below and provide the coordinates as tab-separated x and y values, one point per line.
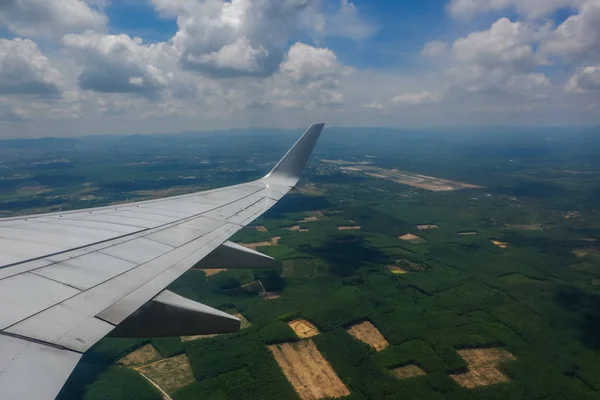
169	314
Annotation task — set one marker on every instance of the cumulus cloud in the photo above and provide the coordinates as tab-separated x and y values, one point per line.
305	62
50	17
501	59
434	49
25	70
578	37
237	38
587	79
119	63
505	43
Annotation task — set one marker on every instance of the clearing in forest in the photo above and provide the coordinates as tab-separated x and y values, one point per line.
296	228
307	370
272	242
412	238
349	228
367	332
315	216
394	269
143	355
587	252
408	371
261	228
426	227
303	328
213	271
502	245
169	374
270	295
483	367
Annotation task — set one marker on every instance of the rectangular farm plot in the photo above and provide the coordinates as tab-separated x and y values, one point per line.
412	238
483	367
408	371
307	370
303	328
143	355
367	332
169	374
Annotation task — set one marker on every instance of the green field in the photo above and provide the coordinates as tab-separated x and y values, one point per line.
538	297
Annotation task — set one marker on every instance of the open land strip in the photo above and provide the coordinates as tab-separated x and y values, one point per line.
409	178
303	328
307	370
408	371
483	367
367	332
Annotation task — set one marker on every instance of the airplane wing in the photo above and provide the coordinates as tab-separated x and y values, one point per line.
68	279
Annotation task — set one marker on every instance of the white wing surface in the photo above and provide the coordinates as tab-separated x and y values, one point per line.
68	279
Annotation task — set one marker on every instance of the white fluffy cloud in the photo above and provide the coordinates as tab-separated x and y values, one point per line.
25	70
577	38
587	79
499	60
119	63
50	17
506	43
237	38
305	63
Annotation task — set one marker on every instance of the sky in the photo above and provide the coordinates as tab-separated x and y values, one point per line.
79	67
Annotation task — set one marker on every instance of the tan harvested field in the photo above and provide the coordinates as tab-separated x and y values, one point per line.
261	228
213	271
169	374
367	332
273	242
303	328
467	233
308	219
33	190
296	228
309	373
143	355
412	238
270	295
408	178
310	189
483	367
426	227
527	227
502	245
408	371
587	252
394	269
349	228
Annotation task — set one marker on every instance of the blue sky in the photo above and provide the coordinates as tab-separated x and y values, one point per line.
72	67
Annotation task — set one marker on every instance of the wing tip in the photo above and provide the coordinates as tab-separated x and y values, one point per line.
290	167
